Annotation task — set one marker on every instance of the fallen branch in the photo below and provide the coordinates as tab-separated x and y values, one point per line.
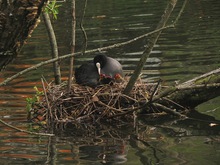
193	92
24	131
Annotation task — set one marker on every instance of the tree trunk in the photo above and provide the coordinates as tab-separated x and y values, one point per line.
198	90
18	19
193	92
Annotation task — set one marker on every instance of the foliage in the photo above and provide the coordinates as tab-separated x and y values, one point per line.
52	8
32	100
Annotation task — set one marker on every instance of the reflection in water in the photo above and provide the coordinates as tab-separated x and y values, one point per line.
188	50
93	143
113	144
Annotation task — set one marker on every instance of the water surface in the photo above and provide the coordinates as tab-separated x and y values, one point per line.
191	49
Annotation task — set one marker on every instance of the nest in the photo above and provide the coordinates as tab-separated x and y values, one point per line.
85	104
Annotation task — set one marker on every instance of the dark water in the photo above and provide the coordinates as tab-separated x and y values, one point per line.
192	48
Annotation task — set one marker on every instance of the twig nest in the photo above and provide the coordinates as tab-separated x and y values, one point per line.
84	104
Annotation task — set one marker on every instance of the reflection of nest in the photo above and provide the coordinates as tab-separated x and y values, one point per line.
83	104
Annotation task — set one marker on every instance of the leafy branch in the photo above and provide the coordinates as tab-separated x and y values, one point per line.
52	8
32	100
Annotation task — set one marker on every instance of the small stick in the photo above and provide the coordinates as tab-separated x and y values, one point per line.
48	104
109	107
21	130
174	103
98	91
169	110
155	90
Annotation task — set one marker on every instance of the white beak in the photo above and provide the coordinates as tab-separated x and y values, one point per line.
98	67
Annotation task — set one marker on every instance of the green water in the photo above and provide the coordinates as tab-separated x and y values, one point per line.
190	49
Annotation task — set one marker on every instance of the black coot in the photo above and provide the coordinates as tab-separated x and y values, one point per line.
89	73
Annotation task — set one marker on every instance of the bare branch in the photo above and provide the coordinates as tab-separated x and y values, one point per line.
54	48
21	130
72	44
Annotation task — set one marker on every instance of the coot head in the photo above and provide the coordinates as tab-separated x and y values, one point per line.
100	61
108	66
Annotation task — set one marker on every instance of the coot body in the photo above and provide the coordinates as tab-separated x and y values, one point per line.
89	73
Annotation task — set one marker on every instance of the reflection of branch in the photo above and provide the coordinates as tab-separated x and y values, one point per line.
51	151
78	53
145	159
21	130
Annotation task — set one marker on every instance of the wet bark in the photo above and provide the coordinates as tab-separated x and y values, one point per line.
73	37
54	47
18	19
193	92
198	90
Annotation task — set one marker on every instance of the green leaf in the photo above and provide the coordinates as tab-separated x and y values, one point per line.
52	8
